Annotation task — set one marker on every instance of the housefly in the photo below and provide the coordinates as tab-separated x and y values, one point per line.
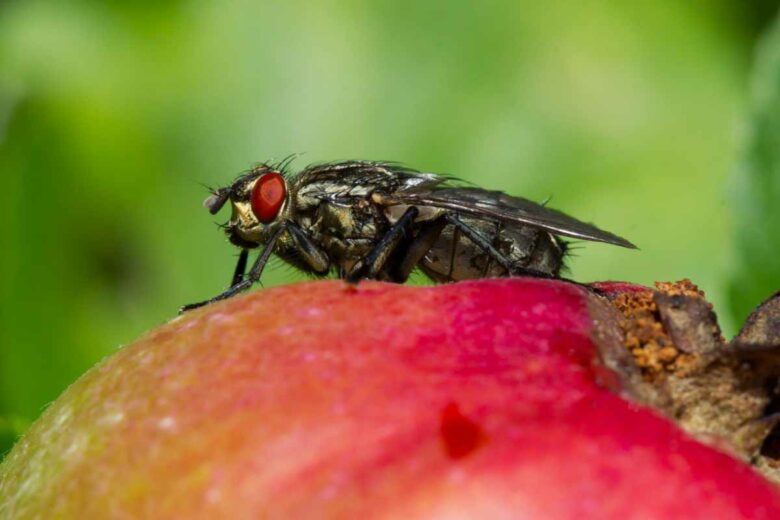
380	220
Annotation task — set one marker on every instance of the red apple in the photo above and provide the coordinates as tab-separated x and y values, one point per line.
484	399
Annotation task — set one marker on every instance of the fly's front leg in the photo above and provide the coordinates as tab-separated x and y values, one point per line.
238	276
249	280
371	265
309	251
238	273
485	244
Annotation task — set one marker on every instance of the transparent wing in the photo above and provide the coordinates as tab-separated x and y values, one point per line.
506	208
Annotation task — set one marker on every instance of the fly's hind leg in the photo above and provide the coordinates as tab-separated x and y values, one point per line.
373	263
485	244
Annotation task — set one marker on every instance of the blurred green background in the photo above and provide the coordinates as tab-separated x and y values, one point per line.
113	115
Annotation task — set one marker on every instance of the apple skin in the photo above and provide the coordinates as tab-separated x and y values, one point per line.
480	399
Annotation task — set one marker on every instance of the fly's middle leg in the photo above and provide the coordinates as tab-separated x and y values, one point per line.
416	250
372	264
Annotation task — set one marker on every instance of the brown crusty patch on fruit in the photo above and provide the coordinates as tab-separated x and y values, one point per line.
717	391
644	334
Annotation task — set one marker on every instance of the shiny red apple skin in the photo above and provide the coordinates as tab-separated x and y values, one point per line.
481	399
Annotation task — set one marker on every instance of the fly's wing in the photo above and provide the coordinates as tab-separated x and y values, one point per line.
506	208
343	180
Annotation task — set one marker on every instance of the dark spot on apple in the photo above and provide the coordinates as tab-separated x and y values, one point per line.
461	436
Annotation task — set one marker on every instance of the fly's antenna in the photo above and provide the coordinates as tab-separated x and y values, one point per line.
216	200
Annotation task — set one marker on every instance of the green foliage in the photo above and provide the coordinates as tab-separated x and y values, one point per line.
757	187
113	114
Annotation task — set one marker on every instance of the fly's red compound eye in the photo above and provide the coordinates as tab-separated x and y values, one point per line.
268	196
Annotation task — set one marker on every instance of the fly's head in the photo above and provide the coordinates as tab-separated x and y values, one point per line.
260	203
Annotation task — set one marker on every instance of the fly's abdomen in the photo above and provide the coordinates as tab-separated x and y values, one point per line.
455	257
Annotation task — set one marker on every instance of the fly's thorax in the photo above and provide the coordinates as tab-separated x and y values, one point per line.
346	228
348	223
425	213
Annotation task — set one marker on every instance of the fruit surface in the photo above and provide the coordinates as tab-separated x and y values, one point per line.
483	399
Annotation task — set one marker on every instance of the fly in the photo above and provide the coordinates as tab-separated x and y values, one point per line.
379	220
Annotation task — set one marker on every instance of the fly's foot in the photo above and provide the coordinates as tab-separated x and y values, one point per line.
190	306
357	273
